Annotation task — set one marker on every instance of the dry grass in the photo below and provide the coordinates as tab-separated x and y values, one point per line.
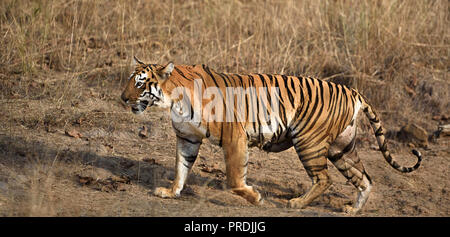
62	63
49	48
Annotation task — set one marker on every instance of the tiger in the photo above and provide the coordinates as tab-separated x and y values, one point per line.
316	117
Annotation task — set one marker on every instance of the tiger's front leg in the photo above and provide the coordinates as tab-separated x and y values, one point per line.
187	151
236	161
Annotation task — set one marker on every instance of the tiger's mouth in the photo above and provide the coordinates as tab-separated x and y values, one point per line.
139	107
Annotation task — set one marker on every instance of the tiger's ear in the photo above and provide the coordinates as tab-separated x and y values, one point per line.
136	61
165	71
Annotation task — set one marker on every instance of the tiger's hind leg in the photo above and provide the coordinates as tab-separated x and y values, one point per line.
343	155
315	163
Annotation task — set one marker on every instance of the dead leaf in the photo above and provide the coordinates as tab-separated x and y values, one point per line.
73	133
143	132
85	180
211	170
410	91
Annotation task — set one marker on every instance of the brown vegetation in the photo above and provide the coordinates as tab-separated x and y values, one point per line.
63	64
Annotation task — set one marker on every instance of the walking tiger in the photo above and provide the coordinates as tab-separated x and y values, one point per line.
274	112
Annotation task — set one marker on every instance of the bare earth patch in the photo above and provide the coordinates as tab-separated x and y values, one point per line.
112	171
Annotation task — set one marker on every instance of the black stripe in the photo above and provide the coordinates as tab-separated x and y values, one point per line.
302	115
315	134
270	78
374	120
319	113
340	95
245	96
190	159
313	152
230	80
269	97
283	116
321	91
210	75
336	157
345	110
315	167
276	82
208	134
293	85
187	140
388	159
240	80
257	105
223	79
252	97
246	106
383	148
308	87
289	92
368	177
350	146
313	111
303	159
192	112
349	177
379	132
263	81
182	74
395	165
330	89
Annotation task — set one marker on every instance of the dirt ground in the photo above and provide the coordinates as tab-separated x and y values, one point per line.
103	165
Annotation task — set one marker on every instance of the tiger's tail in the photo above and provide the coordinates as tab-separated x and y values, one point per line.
379	134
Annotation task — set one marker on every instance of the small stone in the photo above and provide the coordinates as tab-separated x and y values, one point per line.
143	132
73	133
414	134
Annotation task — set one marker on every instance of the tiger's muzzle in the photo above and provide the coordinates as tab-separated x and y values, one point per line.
140	106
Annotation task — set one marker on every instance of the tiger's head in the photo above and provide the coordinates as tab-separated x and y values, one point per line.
143	88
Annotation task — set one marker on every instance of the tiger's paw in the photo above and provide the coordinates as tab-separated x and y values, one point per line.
164	193
250	194
350	210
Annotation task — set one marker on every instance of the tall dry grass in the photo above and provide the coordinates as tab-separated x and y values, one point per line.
379	47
